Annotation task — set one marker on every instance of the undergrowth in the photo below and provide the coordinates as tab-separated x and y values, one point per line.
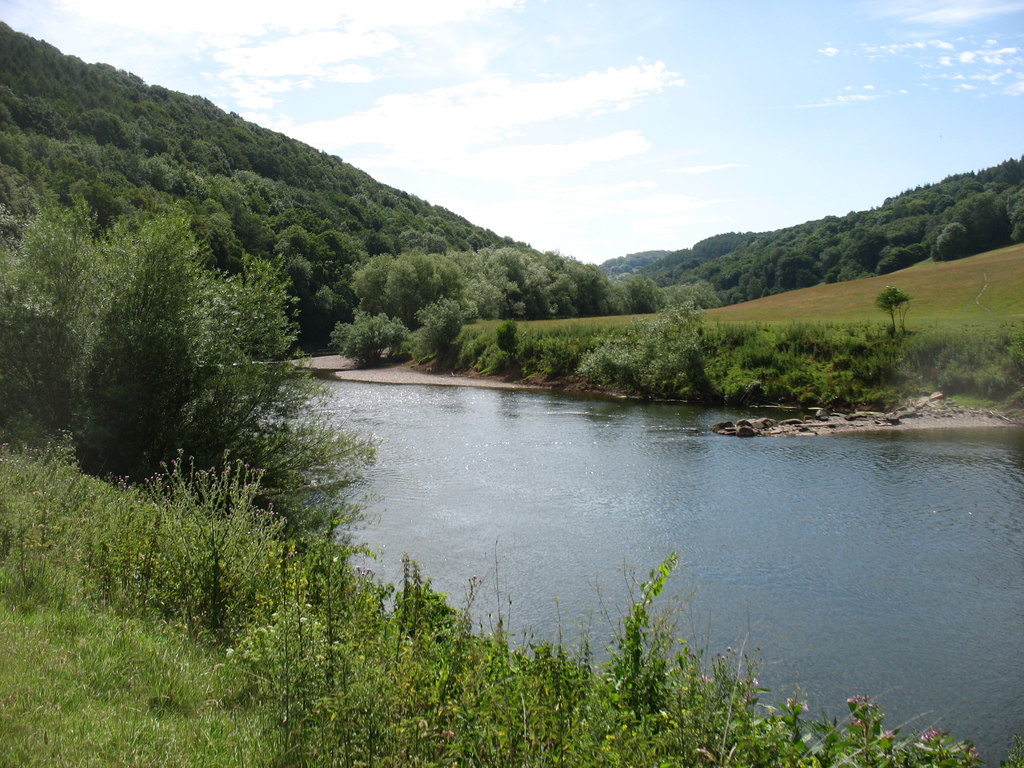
173	624
677	356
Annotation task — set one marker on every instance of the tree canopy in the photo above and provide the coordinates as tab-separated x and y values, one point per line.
129	345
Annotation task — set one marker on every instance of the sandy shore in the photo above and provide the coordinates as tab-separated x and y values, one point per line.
929	413
338	367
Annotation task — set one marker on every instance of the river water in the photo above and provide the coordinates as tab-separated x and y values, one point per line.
886	564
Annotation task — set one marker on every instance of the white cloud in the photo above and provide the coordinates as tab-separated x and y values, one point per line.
255	94
457	127
257	17
963	59
600	221
948	13
851	95
526	162
829	51
311	54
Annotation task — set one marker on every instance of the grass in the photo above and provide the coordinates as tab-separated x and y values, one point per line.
84	687
826	345
987	289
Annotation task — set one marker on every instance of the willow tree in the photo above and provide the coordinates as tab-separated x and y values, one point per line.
130	346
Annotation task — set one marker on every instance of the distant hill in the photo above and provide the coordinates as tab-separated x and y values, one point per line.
965	214
631	262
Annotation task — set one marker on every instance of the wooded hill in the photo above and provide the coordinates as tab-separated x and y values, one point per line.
75	131
965	214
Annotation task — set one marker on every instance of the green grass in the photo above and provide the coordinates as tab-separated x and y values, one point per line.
987	289
83	687
826	345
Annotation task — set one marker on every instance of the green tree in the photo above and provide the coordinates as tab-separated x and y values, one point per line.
369	337
131	346
440	325
642	295
896	303
951	243
400	286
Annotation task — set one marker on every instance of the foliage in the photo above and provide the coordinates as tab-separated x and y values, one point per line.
842	365
507	337
660	357
699	293
402	286
369	338
73	131
317	663
440	325
127	343
896	303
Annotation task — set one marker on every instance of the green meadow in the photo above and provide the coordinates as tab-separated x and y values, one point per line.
827	345
987	289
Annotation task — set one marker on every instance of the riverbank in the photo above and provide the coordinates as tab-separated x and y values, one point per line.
933	412
220	642
338	367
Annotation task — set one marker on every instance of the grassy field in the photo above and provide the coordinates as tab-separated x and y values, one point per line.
983	289
829	344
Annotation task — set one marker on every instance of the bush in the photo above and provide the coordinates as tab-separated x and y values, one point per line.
440	325
369	338
660	357
127	343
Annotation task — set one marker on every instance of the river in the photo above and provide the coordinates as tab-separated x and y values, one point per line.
884	564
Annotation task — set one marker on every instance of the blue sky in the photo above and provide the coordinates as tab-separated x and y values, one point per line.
595	128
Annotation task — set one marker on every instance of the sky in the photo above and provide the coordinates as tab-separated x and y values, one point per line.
590	127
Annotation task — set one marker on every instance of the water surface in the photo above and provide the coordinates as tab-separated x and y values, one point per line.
886	564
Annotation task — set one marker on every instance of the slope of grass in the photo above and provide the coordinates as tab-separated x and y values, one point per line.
983	289
83	687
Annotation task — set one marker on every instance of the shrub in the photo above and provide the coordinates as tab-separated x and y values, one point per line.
127	343
440	325
660	357
369	338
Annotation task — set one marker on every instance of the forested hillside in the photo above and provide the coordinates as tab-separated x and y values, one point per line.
75	131
965	214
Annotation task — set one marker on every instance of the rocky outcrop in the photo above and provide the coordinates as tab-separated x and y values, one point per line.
931	411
